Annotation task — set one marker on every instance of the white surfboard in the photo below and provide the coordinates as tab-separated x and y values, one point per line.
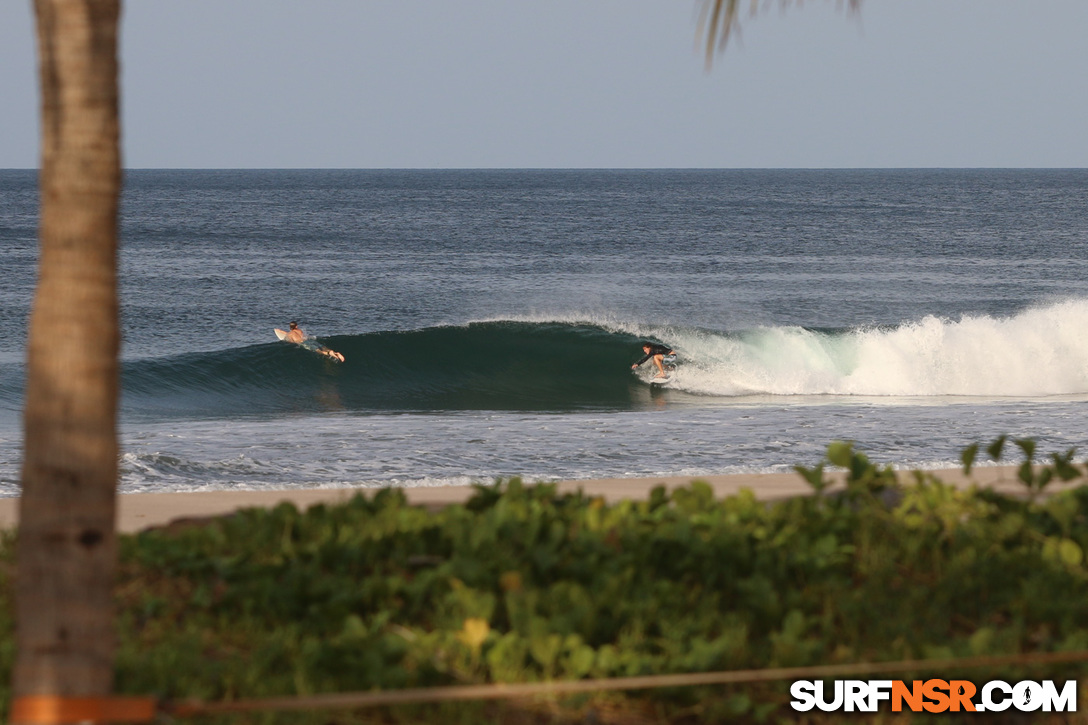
281	333
662	381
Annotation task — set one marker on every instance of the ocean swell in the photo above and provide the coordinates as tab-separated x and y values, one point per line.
569	365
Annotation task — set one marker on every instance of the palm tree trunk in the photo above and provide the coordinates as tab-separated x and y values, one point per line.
67	548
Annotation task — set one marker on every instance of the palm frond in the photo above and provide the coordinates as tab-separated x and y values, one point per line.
719	20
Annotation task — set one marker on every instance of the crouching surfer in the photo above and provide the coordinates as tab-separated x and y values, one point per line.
297	336
658	353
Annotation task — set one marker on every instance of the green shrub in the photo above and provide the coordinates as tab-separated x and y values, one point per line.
522	583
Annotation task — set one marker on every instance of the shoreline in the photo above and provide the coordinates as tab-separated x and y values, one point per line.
139	511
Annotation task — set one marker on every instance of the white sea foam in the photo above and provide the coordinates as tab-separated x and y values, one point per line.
1039	352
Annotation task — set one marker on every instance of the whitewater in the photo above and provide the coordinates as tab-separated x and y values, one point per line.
1039	352
490	318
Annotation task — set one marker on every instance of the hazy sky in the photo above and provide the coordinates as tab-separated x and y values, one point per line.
581	83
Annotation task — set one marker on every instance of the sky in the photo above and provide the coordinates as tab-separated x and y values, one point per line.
580	84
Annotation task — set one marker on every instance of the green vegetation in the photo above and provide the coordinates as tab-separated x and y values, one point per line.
523	584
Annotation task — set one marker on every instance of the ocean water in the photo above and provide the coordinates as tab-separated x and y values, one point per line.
489	320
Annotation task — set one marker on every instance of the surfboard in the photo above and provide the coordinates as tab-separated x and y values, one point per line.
280	333
661	381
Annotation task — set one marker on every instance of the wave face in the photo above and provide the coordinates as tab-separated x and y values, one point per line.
479	366
574	365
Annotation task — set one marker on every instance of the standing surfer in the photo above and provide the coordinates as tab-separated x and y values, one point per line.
658	353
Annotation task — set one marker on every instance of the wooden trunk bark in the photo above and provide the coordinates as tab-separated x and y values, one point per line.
66	553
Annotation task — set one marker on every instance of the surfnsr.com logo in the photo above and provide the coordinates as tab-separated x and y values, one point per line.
933	696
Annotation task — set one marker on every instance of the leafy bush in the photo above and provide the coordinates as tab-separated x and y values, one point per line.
524	584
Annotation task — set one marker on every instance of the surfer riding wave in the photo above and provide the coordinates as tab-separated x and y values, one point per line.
657	353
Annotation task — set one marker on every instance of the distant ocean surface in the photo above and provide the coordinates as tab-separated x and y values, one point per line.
490	318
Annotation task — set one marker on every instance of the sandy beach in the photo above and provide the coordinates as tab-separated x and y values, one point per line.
140	511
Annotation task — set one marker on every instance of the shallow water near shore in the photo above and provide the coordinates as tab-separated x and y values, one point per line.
489	320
